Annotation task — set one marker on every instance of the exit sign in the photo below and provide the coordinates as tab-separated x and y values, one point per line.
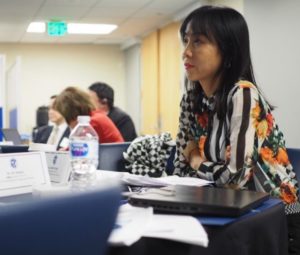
56	28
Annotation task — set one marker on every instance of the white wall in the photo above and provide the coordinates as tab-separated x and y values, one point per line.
2	90
47	69
236	4
275	38
133	81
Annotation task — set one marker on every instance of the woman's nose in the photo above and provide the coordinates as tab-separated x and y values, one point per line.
187	52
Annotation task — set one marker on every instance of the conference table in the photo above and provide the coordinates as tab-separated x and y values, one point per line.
263	233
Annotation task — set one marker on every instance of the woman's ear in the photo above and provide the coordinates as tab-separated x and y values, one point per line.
103	101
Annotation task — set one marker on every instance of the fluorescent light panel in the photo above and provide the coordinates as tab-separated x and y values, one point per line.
36	27
75	28
78	28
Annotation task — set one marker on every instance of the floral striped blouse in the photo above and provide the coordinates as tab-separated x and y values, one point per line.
257	159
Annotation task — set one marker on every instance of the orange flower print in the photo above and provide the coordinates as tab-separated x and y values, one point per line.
245	84
227	153
267	155
201	144
203	120
255	111
288	193
270	121
262	129
282	157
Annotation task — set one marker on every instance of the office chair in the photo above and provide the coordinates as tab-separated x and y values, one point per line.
170	164
75	224
294	157
111	156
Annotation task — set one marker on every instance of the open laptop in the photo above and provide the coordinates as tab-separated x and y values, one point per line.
13	148
11	134
200	200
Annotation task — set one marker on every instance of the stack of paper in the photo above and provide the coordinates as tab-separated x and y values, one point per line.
181	228
130	225
134	223
139	180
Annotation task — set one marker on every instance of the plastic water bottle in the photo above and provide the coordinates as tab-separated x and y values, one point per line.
83	149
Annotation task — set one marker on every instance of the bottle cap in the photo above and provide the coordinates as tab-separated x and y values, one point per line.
83	119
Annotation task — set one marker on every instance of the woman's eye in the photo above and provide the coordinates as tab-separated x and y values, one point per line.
197	41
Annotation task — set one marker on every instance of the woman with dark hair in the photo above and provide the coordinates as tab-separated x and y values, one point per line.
227	132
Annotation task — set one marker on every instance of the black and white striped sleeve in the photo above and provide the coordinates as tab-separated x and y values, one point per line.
241	137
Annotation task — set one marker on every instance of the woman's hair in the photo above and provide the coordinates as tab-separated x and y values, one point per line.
228	29
104	92
73	102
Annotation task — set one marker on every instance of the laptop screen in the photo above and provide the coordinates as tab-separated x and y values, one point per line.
12	134
13	148
200	200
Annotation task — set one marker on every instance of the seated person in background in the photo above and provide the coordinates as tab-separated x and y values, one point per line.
42	119
103	98
73	102
56	134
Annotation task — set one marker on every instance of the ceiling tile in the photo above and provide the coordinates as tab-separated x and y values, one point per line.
78	3
135	27
134	17
111	12
169	4
124	4
37	38
77	39
61	13
103	20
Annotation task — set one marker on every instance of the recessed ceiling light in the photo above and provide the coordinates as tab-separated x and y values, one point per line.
77	28
36	27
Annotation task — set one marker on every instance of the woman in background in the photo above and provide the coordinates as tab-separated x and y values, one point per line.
73	102
227	132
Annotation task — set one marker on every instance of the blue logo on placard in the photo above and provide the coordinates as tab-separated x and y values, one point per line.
13	163
54	160
79	149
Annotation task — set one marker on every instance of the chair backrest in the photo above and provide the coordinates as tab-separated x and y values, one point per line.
294	157
111	156
170	164
78	224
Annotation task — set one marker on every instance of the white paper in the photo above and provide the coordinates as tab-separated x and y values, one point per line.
135	222
20	172
140	180
130	225
41	147
59	166
179	228
64	143
186	181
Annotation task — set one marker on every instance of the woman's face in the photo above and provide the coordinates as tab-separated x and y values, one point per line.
202	58
54	116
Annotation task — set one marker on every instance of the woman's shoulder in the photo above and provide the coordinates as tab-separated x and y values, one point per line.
245	91
242	87
244	84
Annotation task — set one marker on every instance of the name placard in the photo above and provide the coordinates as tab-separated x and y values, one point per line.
20	172
59	166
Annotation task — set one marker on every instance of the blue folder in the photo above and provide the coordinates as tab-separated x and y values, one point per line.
221	221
